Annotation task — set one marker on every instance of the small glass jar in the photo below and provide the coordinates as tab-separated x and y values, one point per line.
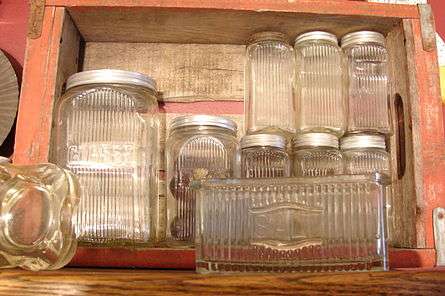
365	154
36	209
316	155
264	156
198	147
368	80
269	105
318	85
107	134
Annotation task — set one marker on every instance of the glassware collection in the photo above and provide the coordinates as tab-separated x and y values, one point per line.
304	189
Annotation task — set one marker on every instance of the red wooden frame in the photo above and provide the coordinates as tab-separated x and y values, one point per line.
38	91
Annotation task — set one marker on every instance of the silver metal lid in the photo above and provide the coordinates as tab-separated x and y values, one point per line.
4	159
315	140
363	141
197	120
316	35
362	37
263	140
110	76
268	36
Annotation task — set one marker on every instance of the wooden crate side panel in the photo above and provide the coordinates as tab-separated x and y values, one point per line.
50	59
304	6
428	132
403	209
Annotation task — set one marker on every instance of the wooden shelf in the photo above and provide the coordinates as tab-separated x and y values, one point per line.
70	281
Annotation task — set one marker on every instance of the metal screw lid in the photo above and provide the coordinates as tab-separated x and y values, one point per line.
110	76
263	140
268	36
363	141
203	120
362	37
316	35
315	140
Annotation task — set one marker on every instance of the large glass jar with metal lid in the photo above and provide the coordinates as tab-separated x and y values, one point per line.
106	133
316	154
318	87
198	147
264	156
269	69
367	82
365	154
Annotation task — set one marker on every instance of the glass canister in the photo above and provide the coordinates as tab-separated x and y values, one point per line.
36	208
269	105
198	147
316	155
107	134
367	82
264	156
365	154
319	99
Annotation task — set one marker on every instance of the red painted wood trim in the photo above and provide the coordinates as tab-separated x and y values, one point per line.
38	86
302	6
150	258
185	259
432	139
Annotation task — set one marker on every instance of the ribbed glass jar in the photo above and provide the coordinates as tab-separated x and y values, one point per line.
319	99
365	154
316	155
269	105
198	147
107	134
367	87
264	156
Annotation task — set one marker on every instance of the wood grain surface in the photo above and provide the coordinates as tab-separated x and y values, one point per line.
145	282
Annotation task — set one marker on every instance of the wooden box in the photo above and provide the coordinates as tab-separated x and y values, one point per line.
195	51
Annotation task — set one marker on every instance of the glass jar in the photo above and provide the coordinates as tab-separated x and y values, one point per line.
36	208
316	155
264	156
367	76
198	147
269	68
107	134
365	154
318	87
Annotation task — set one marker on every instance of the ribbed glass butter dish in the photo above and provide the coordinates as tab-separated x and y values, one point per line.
291	224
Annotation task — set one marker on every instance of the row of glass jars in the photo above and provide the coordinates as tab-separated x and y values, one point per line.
317	86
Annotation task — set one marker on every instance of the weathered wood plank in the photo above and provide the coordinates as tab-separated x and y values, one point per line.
139	282
183	72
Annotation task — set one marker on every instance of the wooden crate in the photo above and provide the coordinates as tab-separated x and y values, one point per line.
194	49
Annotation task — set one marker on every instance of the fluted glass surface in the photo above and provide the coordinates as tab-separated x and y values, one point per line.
366	161
319	98
264	162
317	162
367	65
36	208
194	153
291	224
107	135
269	72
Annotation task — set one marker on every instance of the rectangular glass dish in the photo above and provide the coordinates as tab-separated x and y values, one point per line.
291	224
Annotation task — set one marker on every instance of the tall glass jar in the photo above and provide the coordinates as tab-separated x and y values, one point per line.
318	87
367	77
198	147
269	69
316	155
264	156
106	130
365	154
